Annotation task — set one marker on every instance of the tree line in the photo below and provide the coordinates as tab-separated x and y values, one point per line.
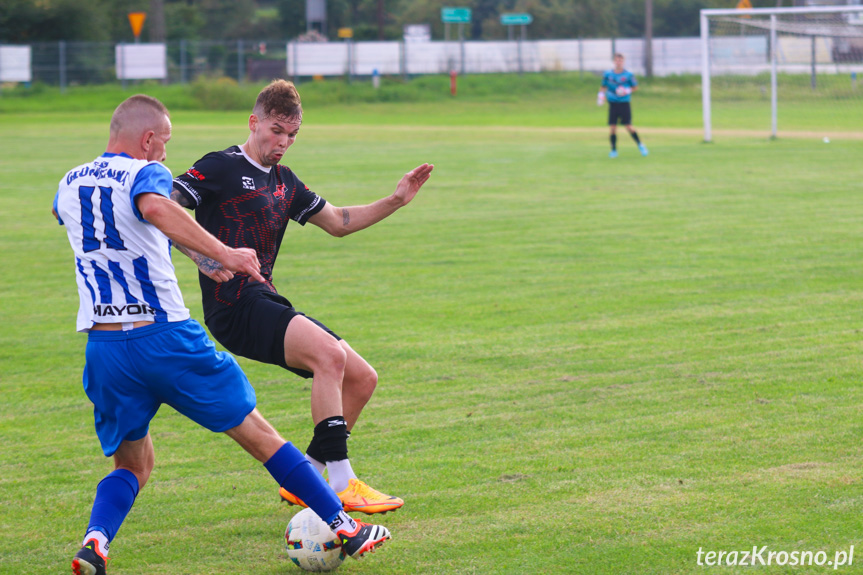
26	21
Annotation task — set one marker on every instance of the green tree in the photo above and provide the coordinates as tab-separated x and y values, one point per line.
551	18
567	18
20	21
676	18
424	12
184	21
292	17
484	11
116	14
226	19
24	21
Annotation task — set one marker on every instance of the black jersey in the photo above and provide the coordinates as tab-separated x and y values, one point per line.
246	206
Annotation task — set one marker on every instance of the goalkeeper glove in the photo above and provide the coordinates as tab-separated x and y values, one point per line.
600	98
623	91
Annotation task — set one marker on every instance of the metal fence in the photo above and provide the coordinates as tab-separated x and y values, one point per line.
80	63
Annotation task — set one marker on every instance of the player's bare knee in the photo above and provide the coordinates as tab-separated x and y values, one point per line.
140	469
143	478
361	384
368	381
331	360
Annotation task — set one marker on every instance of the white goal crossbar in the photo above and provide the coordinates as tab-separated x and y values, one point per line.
774	27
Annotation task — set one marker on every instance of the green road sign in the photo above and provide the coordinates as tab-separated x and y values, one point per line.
515	19
455	15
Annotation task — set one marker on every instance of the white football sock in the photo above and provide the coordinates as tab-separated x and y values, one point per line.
343	522
100	538
317	464
340	472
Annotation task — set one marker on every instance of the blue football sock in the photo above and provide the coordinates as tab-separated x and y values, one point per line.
292	471
114	498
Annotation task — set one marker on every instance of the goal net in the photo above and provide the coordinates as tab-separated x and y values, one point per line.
788	69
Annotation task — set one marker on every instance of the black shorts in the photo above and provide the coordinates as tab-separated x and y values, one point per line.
255	327
619	111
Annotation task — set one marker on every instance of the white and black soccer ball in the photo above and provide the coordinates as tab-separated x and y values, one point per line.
311	544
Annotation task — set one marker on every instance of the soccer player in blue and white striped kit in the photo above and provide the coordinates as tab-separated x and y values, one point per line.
617	87
143	349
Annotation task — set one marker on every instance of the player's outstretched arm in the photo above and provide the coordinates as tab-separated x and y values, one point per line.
343	221
178	225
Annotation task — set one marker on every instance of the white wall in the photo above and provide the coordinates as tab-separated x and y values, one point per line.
671	56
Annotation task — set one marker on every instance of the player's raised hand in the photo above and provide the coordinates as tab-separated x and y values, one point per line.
245	261
411	183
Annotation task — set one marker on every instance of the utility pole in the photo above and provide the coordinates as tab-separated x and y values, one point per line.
157	21
648	38
380	19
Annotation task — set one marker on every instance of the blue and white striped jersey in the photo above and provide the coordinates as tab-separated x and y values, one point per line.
123	263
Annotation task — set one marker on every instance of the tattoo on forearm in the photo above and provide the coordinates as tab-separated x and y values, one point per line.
184	250
205	264
179	198
346	217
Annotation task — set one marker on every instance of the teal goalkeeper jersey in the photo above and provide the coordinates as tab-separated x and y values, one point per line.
612	80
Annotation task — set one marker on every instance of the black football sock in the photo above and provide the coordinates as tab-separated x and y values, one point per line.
330	441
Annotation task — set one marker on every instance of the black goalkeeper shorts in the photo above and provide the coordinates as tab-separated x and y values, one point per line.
619	111
255	327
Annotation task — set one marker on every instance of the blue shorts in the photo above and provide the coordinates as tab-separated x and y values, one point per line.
130	374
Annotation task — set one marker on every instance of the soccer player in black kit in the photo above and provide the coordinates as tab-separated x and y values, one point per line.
245	198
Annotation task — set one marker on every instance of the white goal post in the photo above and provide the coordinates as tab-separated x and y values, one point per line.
747	42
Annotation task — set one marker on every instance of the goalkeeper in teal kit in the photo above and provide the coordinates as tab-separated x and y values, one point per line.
617	87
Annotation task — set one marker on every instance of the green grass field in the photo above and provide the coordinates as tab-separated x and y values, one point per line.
586	365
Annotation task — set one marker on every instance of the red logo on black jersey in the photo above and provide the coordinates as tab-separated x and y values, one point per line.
196	174
280	192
